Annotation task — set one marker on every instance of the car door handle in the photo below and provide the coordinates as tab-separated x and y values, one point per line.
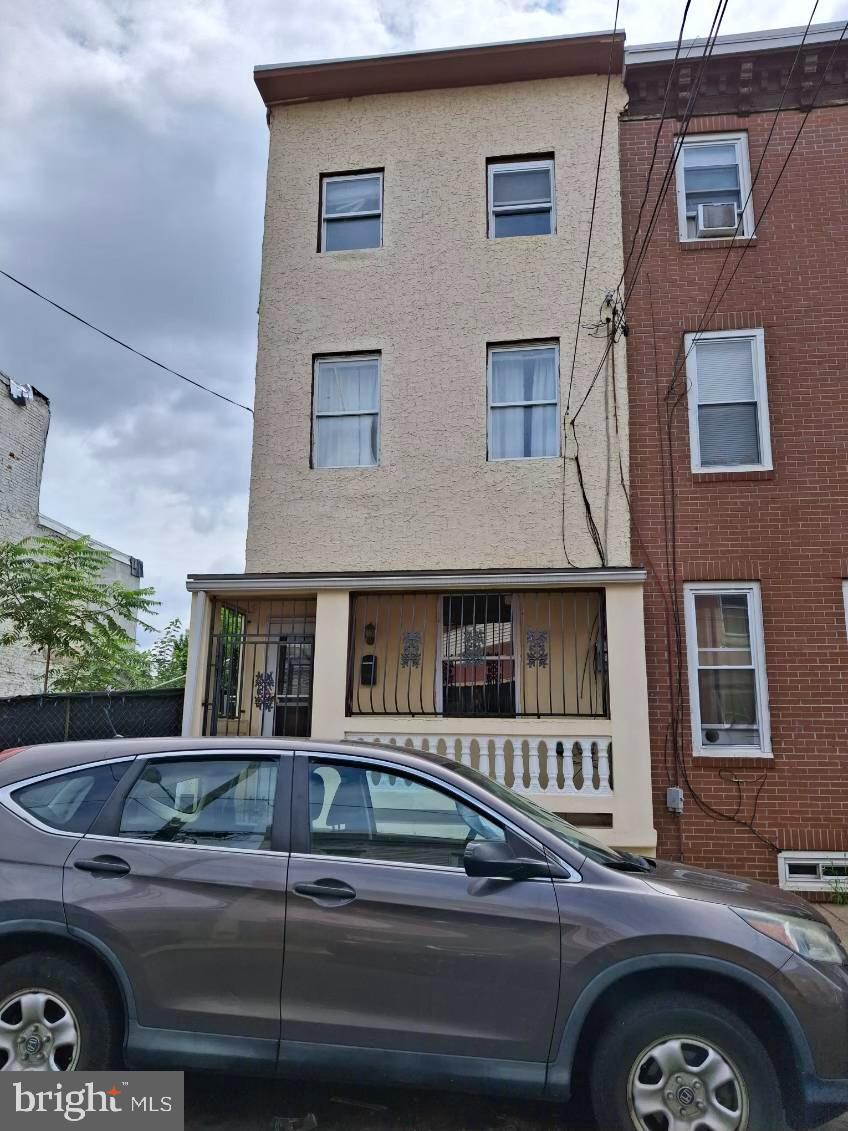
327	889
105	865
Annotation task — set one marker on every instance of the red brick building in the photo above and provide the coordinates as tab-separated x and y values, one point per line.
739	444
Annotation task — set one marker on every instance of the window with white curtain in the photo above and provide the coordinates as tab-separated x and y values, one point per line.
524	401
521	198
352	211
714	187
728	406
728	692
346	411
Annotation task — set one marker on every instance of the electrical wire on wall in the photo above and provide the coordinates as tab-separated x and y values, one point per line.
590	521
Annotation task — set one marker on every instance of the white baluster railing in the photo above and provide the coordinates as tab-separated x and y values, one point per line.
581	762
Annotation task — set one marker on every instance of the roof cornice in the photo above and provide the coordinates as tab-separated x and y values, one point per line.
745	74
517	61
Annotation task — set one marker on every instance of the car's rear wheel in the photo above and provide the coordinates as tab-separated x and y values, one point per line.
56	1015
683	1063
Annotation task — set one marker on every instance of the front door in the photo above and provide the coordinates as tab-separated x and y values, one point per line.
389	944
184	880
287	711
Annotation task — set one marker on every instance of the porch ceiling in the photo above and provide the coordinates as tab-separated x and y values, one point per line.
256	584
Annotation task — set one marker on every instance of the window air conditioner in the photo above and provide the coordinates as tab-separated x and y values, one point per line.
717	220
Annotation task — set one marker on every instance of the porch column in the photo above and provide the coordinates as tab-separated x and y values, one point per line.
200	626
329	681
628	692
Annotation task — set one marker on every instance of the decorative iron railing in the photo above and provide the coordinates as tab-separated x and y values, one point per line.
479	654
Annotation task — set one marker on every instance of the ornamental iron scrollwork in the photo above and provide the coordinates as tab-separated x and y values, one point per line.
473	645
537	648
410	656
264	690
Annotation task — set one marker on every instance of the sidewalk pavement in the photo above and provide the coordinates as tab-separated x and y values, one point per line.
837	914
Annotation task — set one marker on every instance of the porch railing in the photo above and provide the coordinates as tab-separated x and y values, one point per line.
551	767
535	653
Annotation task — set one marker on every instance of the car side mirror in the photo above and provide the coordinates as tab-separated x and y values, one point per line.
496	860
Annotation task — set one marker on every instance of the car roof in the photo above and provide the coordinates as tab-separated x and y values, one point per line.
31	761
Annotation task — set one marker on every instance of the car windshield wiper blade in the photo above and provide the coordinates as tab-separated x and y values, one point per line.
628	862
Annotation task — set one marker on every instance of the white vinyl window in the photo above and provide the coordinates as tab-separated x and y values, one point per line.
521	199
728	692
352	212
346	411
523	401
728	405
813	871
714	187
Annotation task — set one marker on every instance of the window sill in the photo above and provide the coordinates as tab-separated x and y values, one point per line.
520	459
345	467
732	475
735	754
719	244
350	252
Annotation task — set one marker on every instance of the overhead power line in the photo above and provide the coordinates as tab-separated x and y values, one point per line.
125	345
708	313
668	175
594	204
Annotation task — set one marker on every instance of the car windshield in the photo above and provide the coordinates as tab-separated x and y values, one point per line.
566	832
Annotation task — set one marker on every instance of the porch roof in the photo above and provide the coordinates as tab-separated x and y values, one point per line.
535	578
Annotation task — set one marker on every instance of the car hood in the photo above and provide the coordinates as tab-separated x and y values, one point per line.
688	882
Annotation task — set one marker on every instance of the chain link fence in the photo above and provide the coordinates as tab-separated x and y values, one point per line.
29	719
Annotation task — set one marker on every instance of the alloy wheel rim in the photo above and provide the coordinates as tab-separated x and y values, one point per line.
682	1083
38	1033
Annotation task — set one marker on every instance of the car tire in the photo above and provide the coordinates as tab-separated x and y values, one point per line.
657	1059
64	1000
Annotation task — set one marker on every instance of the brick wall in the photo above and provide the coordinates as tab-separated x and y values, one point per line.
786	528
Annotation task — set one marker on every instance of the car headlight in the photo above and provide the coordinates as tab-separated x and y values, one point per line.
809	939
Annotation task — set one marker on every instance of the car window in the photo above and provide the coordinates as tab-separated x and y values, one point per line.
71	802
362	812
224	802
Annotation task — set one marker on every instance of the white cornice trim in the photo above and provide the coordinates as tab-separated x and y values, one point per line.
510	579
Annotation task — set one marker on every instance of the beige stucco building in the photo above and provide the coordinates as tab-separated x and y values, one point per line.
438	542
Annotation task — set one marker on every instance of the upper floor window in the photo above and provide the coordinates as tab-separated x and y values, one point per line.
728	408
352	211
727	675
346	411
521	198
714	186
524	401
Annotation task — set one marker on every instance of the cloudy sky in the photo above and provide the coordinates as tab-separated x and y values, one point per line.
134	148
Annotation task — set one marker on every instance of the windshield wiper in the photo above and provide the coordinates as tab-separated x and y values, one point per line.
629	862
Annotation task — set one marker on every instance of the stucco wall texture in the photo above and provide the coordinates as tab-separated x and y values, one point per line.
430	300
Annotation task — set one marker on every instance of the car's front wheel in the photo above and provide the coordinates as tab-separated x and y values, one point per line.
55	1016
683	1063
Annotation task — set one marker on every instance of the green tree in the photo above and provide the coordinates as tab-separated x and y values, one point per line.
121	666
52	594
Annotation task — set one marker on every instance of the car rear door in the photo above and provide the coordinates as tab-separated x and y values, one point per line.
183	877
389	944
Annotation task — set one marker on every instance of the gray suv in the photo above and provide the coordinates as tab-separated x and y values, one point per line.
389	916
